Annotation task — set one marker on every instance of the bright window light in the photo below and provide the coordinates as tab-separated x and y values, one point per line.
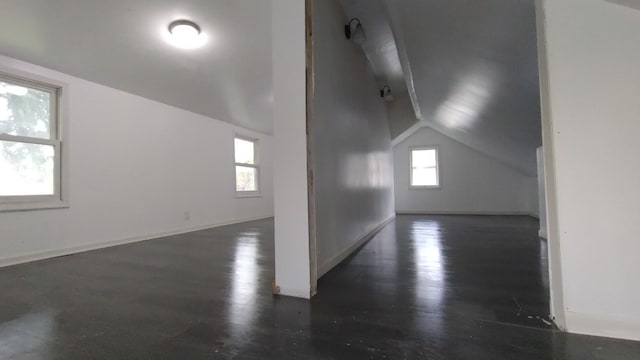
247	168
30	145
424	168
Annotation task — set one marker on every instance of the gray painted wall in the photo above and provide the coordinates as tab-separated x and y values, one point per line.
352	155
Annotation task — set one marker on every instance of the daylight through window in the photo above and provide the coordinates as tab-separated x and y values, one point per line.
29	142
247	169
424	167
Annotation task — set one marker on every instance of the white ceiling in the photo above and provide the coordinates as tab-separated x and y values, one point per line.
120	43
634	4
470	68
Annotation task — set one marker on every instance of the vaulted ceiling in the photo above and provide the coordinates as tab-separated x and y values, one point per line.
120	44
380	47
470	68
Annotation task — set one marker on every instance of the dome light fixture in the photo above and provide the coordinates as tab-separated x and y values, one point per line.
186	34
355	34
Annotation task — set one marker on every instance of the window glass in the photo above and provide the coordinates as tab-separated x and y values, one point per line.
30	145
246	178
245	151
25	111
27	169
424	167
424	177
424	158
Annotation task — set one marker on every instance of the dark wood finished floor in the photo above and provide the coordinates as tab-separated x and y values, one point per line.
441	287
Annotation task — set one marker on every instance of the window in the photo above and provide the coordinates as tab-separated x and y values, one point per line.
30	145
247	168
424	168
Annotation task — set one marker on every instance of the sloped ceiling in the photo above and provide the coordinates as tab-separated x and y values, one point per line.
633	4
383	55
120	44
380	47
471	71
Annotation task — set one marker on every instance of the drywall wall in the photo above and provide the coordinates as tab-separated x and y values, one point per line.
352	156
292	251
542	201
471	182
533	198
137	169
594	82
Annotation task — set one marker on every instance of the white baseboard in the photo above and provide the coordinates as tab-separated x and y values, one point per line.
47	254
613	326
296	293
463	212
339	257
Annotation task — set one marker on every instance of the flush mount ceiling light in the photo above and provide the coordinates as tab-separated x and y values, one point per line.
386	94
186	34
355	32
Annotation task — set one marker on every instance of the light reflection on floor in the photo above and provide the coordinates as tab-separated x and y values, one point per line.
39	326
245	283
429	272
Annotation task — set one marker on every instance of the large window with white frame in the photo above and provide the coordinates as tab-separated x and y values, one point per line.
247	167
30	145
425	172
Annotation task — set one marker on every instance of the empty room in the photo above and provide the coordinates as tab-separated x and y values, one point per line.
319	179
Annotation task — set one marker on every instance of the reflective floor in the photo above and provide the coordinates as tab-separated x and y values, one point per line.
442	287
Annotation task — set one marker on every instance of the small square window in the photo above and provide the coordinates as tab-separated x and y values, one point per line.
424	168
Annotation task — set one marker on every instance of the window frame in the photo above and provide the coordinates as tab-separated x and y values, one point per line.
256	166
438	168
58	140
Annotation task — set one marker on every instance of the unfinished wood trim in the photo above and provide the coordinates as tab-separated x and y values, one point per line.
313	260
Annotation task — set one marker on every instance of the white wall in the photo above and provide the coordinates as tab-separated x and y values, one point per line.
542	201
533	196
292	251
352	156
136	167
471	182
594	82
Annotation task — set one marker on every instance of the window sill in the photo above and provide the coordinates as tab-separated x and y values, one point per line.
436	187
241	195
32	206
